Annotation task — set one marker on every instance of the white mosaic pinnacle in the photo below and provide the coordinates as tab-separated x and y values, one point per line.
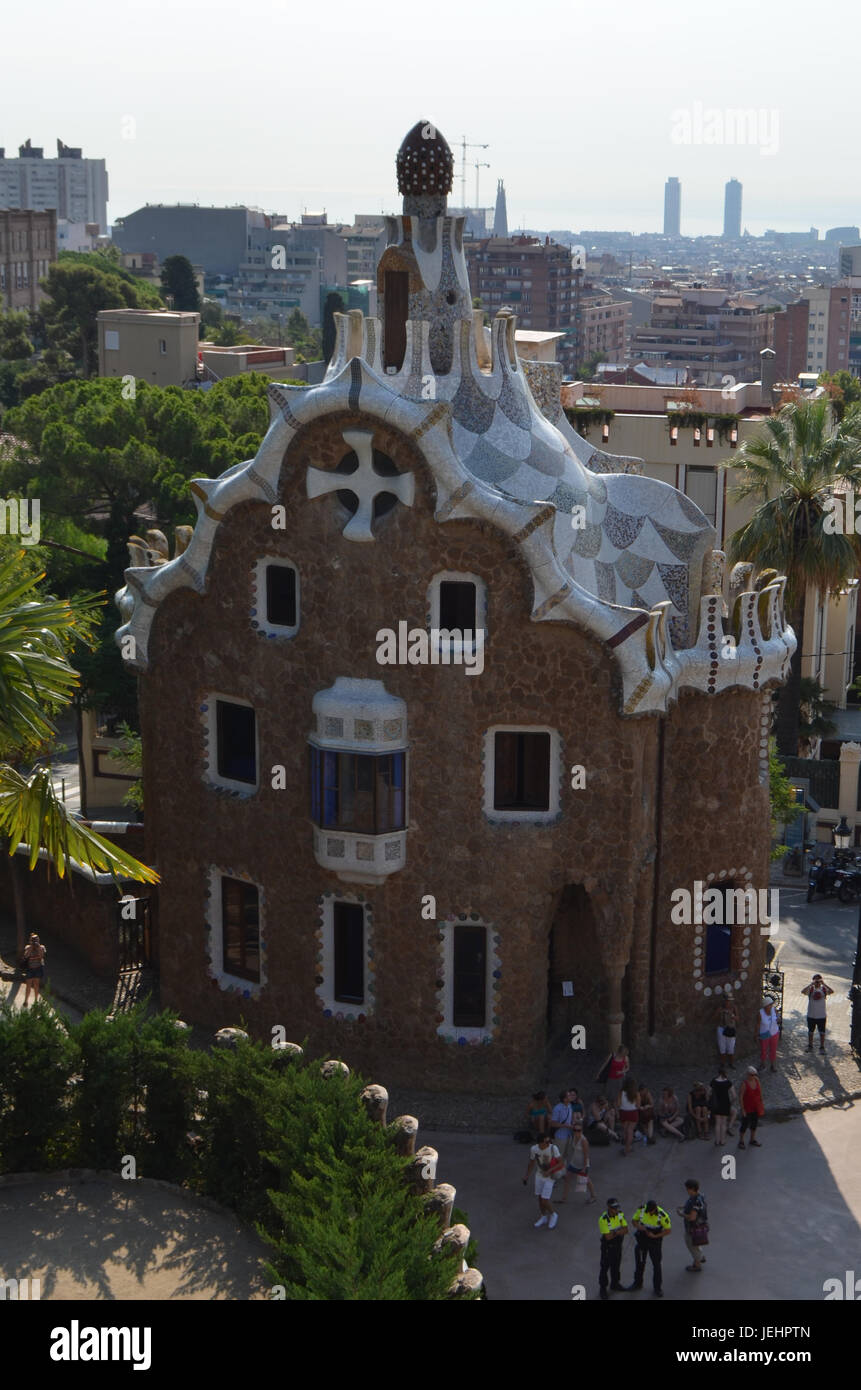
366	484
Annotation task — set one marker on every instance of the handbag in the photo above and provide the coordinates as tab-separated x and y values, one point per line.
700	1233
729	1032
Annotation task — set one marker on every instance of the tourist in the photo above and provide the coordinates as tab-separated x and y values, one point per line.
577	1106
817	992
613	1228
720	1101
538	1113
646	1114
652	1225
727	1028
620	1065
34	956
698	1107
695	1213
561	1121
769	1034
629	1114
547	1160
752	1108
578	1163
602	1118
669	1114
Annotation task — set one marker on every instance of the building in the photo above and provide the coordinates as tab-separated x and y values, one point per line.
534	277
732	211
28	245
790	340
500	215
398	859
605	328
648	423
77	236
850	261
710	332
216	238
74	187
828	328
672	207
844	236
154	345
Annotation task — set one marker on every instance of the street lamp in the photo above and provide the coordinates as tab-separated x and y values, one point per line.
841	834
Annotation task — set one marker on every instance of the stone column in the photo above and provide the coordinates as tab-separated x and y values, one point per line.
850	757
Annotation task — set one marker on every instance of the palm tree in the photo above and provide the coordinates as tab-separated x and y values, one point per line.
36	679
791	469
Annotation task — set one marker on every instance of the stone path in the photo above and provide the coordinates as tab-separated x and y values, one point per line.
97	1237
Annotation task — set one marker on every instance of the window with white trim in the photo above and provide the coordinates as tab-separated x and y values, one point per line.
235	933
276	597
344	981
522	768
231	743
466	990
458	604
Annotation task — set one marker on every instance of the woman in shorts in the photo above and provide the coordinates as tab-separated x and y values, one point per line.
727	1027
629	1113
34	956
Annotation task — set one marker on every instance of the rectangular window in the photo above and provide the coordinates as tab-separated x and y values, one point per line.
112	340
240	929
360	792
348	928
457	605
281	595
469	976
521	772
162	346
719	937
236	736
701	487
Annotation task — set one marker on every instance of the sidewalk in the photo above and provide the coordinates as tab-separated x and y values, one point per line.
69	983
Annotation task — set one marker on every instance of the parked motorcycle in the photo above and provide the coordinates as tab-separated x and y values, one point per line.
849	887
824	878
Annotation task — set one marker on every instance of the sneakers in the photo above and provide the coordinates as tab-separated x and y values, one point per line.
693	1269
554	1218
542	1221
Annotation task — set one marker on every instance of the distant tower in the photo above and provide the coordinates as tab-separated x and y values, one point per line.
672	207
500	217
732	211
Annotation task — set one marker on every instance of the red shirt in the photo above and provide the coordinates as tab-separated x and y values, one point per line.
751	1099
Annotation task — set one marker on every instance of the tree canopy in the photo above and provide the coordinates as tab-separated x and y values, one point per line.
177	279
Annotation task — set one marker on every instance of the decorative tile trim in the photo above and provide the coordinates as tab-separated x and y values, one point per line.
446	1030
214	940
557	764
325	961
732	979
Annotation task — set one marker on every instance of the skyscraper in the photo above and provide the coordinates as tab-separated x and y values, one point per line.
732	210
672	207
500	216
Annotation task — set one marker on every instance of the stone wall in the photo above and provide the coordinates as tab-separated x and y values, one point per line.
511	877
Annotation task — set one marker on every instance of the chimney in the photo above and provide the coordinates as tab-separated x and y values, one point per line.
767	374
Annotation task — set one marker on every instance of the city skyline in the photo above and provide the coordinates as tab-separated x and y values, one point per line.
166	139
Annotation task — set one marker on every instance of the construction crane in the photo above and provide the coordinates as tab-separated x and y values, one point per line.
479	164
464	146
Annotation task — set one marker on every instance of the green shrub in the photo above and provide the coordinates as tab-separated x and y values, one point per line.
37	1060
108	1085
345	1225
167	1073
242	1093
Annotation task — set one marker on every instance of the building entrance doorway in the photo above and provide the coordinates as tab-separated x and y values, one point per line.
574	957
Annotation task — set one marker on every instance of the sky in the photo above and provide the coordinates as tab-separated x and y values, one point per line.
586	109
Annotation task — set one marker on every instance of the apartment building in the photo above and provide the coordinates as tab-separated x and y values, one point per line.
828	327
535	277
76	188
154	345
711	332
28	245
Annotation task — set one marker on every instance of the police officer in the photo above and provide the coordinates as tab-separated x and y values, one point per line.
652	1226
613	1228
